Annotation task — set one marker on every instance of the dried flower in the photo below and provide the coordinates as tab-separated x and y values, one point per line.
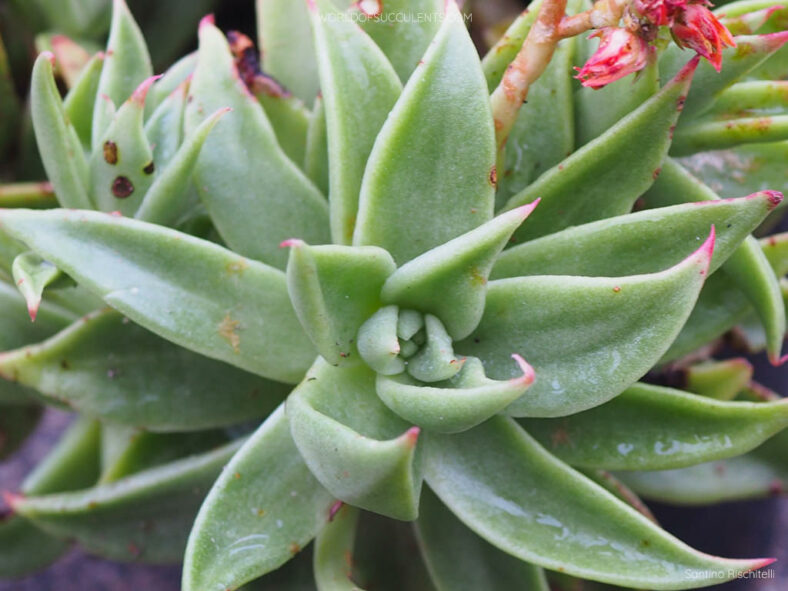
697	28
620	53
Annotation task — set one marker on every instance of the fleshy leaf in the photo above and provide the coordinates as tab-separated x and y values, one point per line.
250	523
126	64
748	265
32	275
654	428
164	127
167	197
578	190
518	497
72	464
122	167
715	135
80	99
378	344
759	474
588	339
256	195
316	158
333	559
108	519
435	360
750	52
105	366
462	402
444	109
597	109
459	559
359	87
720	380
58	142
174	77
334	289
217	303
450	280
403	30
361	452
641	242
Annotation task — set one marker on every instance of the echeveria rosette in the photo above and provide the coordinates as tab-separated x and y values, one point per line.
464	355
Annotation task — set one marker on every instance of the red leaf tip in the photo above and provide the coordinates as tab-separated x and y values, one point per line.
411	436
775	41
776	360
291	242
138	96
525	210
529	375
32	309
706	250
686	73
207	20
774	197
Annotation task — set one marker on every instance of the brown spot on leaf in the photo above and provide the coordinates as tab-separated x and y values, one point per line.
110	152
149	168
122	187
494	176
294	548
617	289
228	330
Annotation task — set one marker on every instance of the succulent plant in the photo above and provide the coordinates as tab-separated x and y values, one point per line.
445	316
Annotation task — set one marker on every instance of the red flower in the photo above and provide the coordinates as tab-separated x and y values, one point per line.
620	53
697	28
659	12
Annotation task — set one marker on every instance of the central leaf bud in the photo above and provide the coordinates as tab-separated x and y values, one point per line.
394	341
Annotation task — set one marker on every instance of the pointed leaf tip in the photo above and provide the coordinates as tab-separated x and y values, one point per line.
525	210
688	70
138	96
411	436
49	56
775	41
32	308
529	375
706	250
207	20
776	360
774	197
291	242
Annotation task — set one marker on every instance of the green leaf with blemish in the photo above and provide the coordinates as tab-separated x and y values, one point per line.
217	303
105	366
505	50
578	190
404	30
72	464
250	523
450	281
58	143
452	406
457	558
759	474
334	289
544	132
514	494
588	338
256	195
654	428
122	167
32	275
168	197
716	135
750	52
80	99
145	517
443	110
359	87
333	559
357	448
748	265
378	342
641	242
126	64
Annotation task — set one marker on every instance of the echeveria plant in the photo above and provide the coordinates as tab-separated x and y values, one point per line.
378	293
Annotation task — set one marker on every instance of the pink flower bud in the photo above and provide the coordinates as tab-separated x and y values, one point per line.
620	53
659	12
697	28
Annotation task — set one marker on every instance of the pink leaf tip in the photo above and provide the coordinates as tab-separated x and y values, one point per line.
291	242
138	96
525	210
775	41
776	360
12	499
207	20
774	197
529	375
50	56
705	252
32	309
411	436
335	508
688	71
